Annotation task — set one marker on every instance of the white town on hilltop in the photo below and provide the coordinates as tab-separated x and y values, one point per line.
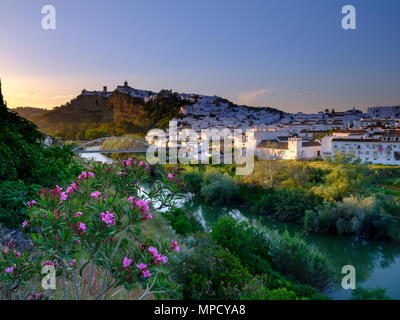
374	137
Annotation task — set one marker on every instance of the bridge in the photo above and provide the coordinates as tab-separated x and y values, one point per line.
112	145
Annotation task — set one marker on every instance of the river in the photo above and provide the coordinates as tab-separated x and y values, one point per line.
376	263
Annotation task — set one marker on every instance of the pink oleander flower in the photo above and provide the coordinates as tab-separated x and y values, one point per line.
160	258
31	203
24	224
59	189
107	218
49	263
78	214
127	262
72	188
95	194
142	266
170	176
143	205
146	273
63	196
140	163
73	261
18	254
81	226
5	250
147	216
153	250
175	246
10	270
85	175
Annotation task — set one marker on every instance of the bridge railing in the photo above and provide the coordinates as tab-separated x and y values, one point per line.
112	145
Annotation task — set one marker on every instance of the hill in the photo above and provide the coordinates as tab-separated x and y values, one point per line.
94	114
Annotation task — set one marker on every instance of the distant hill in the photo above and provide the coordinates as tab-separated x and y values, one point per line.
124	110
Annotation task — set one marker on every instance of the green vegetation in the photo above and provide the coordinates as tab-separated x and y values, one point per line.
26	162
181	222
340	196
210	270
233	261
259	252
369	294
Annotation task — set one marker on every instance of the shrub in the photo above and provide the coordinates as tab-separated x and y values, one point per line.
247	243
181	222
193	180
85	229
273	286
13	198
286	204
218	188
369	294
212	273
348	177
375	216
293	257
290	205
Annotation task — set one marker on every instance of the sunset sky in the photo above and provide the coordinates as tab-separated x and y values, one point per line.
289	54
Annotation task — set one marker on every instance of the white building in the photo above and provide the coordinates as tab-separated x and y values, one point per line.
385	150
384	112
294	149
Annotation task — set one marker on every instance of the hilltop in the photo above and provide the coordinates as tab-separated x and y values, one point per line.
93	114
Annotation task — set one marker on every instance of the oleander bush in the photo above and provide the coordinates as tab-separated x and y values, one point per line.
92	227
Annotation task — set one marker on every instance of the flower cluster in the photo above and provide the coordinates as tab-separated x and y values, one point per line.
72	188
49	263
95	194
131	163
54	195
108	218
31	203
64	225
157	257
143	206
35	296
175	246
85	175
143	268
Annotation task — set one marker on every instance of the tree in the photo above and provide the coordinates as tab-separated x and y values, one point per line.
348	176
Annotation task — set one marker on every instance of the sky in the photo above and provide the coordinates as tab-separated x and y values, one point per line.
290	54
